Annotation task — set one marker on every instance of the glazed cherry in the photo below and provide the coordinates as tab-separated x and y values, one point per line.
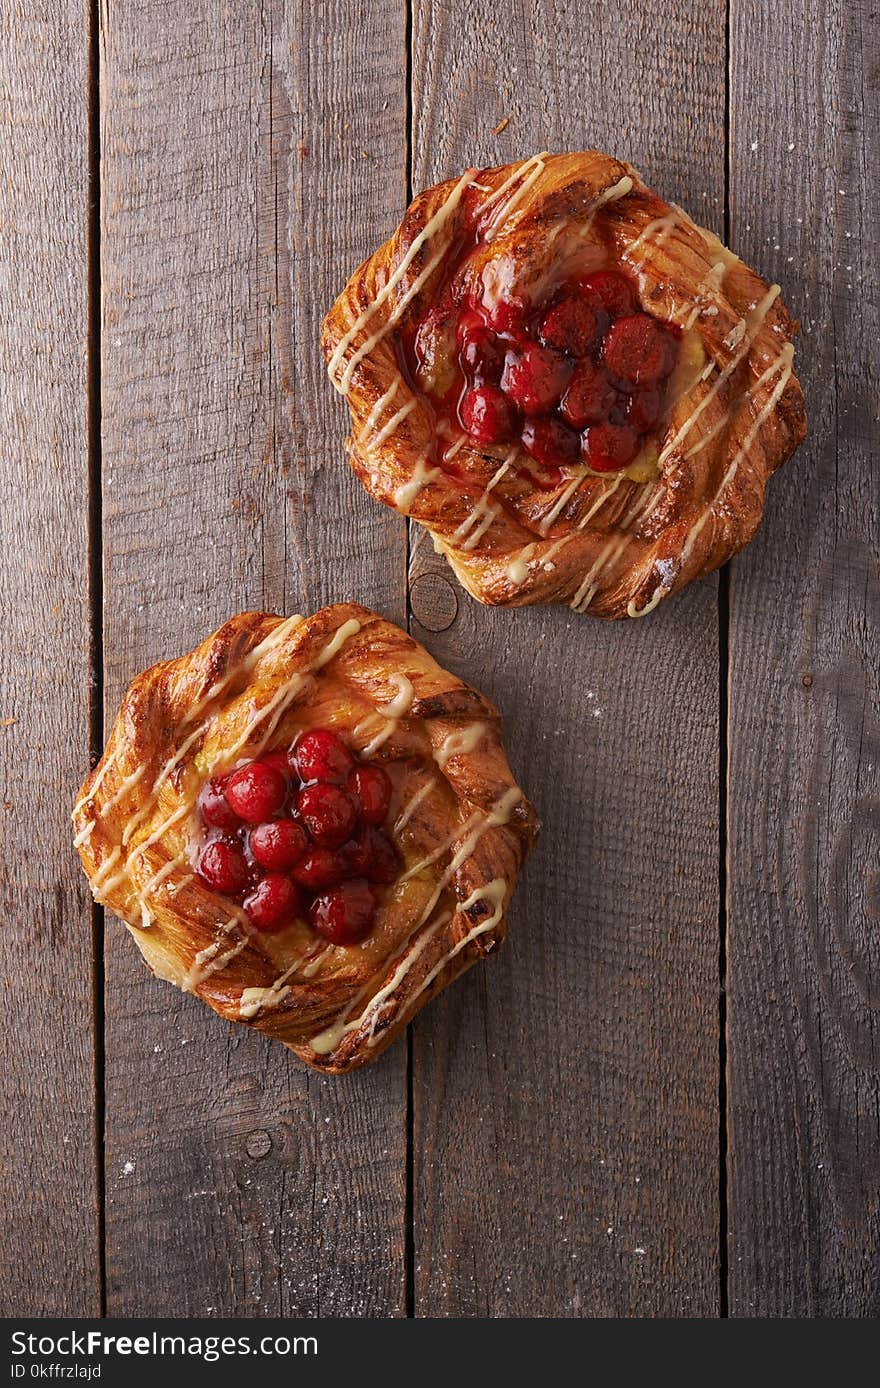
590	396
279	844
570	326
328	812
481	355
370	854
638	351
610	291
485	414
273	903
508	317
644	409
256	792
344	914
214	806
608	447
223	867
534	378
550	442
371	788
319	868
320	755
383	864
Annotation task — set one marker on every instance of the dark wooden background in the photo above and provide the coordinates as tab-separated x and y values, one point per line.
664	1098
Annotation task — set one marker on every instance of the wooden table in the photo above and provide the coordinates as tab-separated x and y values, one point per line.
663	1099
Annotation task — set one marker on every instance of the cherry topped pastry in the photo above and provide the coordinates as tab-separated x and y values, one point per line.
276	823
309	824
576	389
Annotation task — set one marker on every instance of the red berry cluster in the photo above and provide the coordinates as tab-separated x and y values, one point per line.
581	377
297	834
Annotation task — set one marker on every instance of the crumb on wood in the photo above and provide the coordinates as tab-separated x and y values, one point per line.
7	722
502	125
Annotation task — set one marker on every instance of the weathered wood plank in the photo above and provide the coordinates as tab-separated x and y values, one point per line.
252	155
49	1254
804	1071
566	1119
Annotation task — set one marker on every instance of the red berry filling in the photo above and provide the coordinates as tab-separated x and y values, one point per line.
550	442
321	756
279	844
608	447
637	351
273	903
214	806
371	788
256	792
485	414
540	374
328	812
296	835
343	914
590	397
534	378
570	326
223	866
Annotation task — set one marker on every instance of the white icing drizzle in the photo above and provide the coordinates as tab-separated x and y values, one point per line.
412	805
587	591
611	194
84	799
127	784
388	429
518	567
494	892
253	1001
484	512
84	834
276	638
639	503
557	506
213	958
459	743
407	492
660	229
159	877
327	1040
535	166
389	715
784	363
756	321
633	611
373	417
430	229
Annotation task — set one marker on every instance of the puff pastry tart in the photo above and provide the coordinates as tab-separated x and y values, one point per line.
578	391
309	824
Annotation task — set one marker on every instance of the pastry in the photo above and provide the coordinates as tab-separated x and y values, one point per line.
309	824
577	390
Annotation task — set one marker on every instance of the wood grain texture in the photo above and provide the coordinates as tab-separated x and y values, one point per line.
252	155
804	898
566	1104
49	1252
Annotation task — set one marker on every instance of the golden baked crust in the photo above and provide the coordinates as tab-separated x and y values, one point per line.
463	826
613	546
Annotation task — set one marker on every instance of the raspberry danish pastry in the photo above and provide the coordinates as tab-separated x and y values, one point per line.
578	391
309	824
